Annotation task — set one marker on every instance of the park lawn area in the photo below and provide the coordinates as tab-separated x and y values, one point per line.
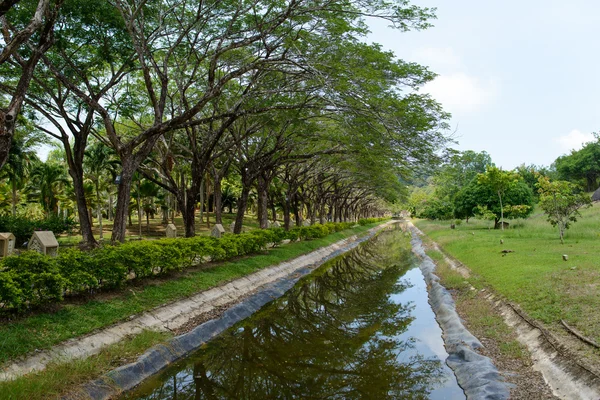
534	275
154	228
43	330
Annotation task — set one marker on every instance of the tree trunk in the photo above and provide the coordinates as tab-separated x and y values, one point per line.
99	210
501	211
217	204
14	198
207	187
110	203
123	196
263	215
241	209
286	212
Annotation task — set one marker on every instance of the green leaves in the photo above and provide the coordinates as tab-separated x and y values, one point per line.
31	279
561	201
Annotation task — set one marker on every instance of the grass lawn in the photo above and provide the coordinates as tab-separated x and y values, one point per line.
42	330
58	379
534	275
155	229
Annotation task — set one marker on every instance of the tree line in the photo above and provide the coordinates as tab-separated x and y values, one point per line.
175	102
468	184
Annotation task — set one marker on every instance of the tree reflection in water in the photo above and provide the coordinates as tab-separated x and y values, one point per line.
335	335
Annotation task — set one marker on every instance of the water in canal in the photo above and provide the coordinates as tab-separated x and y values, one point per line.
359	327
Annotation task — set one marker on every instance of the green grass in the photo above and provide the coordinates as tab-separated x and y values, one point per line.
59	378
534	276
481	319
157	228
44	330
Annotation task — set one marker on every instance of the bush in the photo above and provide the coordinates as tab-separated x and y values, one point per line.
23	227
32	279
37	277
10	293
78	269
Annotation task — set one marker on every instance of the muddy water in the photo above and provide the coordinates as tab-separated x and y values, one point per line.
359	327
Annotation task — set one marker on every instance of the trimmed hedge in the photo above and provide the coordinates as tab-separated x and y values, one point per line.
23	227
31	279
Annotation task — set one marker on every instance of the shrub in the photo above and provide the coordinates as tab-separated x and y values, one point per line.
10	293
78	269
32	279
37	276
23	227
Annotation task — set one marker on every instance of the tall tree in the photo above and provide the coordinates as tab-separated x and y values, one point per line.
21	159
581	165
21	56
100	168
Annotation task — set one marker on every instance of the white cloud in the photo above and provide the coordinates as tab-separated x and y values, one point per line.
437	57
574	140
462	93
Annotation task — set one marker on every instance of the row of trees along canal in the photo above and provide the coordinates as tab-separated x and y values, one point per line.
284	96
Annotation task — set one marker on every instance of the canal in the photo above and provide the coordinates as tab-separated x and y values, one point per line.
358	327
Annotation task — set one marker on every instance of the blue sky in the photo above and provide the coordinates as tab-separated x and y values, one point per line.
519	77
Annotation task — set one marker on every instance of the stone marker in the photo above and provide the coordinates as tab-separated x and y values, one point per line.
232	227
7	244
171	231
306	223
43	242
565	257
596	195
217	231
276	224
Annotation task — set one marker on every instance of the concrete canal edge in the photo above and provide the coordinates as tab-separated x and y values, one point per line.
564	374
475	373
159	357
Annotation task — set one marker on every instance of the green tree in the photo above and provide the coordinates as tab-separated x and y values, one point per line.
100	168
561	201
582	165
47	182
499	181
517	201
458	171
21	158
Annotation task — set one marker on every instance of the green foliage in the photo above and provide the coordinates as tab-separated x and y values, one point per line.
437	209
37	277
77	268
23	227
366	221
458	171
581	166
561	202
32	279
10	294
517	193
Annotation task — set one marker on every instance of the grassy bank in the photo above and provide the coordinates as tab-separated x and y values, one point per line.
41	331
58	379
534	274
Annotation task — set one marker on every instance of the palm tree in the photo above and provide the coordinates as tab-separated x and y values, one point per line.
47	181
21	158
149	191
99	166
